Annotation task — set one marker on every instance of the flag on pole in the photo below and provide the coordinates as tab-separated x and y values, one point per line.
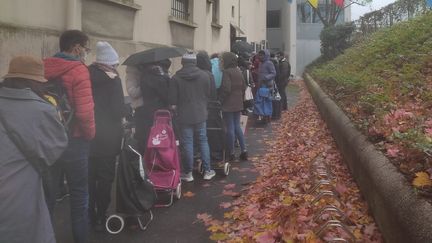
340	3
429	3
313	3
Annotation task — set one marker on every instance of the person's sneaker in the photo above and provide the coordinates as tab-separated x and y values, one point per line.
188	177
244	155
208	175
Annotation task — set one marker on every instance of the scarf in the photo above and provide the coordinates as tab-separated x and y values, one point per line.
110	71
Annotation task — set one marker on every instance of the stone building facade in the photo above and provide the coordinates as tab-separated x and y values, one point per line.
33	26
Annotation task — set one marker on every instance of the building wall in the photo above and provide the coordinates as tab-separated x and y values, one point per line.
29	27
34	13
299	40
284	38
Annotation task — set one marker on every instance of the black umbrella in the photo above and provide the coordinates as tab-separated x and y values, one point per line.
154	55
242	47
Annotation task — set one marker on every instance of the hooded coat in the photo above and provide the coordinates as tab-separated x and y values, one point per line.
266	71
233	85
190	92
217	73
35	127
203	62
154	83
109	111
76	80
285	71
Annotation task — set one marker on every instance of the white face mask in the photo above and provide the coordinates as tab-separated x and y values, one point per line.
83	55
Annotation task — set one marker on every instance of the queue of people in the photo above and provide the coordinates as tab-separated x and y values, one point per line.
38	147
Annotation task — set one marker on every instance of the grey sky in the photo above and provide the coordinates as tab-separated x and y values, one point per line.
357	11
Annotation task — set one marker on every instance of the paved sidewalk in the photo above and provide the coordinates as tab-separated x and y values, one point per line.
179	222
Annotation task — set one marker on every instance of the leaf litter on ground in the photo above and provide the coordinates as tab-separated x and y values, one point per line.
277	206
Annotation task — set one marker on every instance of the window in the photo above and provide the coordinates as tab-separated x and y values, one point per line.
273	19
215	11
306	13
180	9
232	11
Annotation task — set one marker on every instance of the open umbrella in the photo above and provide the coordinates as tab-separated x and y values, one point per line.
154	55
242	47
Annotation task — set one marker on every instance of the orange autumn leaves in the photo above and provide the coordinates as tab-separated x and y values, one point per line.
278	206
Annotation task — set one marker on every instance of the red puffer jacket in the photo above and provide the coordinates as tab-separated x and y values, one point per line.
76	80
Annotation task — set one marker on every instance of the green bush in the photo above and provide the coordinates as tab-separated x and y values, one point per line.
335	39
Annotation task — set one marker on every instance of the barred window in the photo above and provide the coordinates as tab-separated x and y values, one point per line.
180	9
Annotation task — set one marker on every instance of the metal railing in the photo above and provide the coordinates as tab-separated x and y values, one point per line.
323	187
180	9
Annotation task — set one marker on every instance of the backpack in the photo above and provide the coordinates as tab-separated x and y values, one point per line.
56	94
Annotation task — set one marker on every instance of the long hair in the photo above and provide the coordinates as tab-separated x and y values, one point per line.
23	83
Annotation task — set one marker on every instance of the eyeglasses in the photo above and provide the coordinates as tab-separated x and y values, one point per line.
88	50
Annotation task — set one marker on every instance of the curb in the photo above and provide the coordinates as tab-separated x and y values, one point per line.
400	214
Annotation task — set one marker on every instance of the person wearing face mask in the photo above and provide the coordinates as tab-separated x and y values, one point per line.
109	111
68	67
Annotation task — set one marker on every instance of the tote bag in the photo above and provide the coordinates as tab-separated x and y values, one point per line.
248	94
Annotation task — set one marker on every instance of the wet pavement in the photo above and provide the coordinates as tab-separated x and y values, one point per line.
179	223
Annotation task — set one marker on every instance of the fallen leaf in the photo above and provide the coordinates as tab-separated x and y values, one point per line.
230	193
225	205
206	185
205	218
392	152
219	236
422	179
265	237
215	228
188	194
229	186
340	188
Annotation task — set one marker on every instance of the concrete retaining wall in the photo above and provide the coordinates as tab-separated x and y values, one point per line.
400	214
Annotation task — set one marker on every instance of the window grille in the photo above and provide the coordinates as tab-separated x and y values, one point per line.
180	9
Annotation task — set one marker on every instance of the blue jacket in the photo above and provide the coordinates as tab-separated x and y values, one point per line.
266	71
217	73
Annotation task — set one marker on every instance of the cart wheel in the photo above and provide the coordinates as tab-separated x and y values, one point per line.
114	224
178	191
227	167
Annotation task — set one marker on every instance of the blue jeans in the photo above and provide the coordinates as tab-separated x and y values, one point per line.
188	132
232	123
74	163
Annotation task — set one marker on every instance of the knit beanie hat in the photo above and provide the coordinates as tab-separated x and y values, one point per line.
105	53
189	58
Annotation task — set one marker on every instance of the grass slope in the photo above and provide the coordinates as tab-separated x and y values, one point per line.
384	84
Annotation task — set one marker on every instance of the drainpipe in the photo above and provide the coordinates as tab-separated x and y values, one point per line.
239	14
73	14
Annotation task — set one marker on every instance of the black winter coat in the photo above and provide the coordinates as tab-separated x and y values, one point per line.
154	89
190	91
231	92
284	71
109	111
